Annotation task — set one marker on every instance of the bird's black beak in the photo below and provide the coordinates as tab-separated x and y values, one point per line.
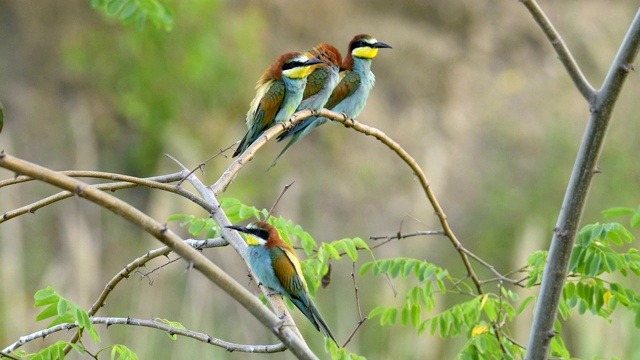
381	45
314	61
238	228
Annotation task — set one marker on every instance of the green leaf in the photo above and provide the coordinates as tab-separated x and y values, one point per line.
365	267
175	217
416	315
50	311
523	305
196	227
361	244
637	319
115	6
617	211
635	219
62	307
129	12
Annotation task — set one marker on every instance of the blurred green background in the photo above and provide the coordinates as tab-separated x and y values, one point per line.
471	89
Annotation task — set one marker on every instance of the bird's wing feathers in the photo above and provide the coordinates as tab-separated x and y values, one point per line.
269	105
349	82
288	271
316	81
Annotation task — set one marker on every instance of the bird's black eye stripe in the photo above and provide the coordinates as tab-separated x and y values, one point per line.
261	233
360	43
291	65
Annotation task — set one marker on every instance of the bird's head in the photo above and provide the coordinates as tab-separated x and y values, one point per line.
328	53
258	233
366	46
293	65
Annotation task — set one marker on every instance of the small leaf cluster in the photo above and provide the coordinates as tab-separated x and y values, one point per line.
64	311
594	256
129	11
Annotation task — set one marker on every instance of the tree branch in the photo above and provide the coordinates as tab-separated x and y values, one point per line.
570	64
154	325
156	182
555	272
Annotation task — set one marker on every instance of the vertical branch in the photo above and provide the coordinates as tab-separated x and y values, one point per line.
555	272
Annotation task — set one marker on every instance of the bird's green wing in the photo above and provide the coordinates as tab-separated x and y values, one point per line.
316	80
347	85
269	105
288	271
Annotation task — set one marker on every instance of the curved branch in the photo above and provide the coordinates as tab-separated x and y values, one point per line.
555	272
127	182
154	325
570	64
166	236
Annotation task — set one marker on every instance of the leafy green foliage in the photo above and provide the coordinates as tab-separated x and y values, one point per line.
129	11
594	256
237	211
623	211
340	353
121	352
55	351
63	311
197	225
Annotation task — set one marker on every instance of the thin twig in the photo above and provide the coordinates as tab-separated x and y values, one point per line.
284	190
361	319
202	164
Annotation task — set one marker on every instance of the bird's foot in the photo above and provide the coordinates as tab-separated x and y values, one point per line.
314	112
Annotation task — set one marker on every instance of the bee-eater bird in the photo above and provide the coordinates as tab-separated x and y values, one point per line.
350	95
277	267
278	93
320	83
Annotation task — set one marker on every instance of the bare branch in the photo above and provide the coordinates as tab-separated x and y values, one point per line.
273	207
570	64
154	325
156	182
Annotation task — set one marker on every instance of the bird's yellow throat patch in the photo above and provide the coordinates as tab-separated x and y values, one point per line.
298	72
254	240
365	52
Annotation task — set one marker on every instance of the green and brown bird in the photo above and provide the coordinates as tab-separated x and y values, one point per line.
320	83
278	93
350	95
277	267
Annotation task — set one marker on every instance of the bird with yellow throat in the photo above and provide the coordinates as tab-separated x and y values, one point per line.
278	93
277	267
350	95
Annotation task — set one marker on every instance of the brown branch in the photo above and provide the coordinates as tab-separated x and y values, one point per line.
284	190
127	182
361	319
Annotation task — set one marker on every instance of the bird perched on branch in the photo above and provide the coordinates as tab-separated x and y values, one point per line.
278	93
350	95
277	267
